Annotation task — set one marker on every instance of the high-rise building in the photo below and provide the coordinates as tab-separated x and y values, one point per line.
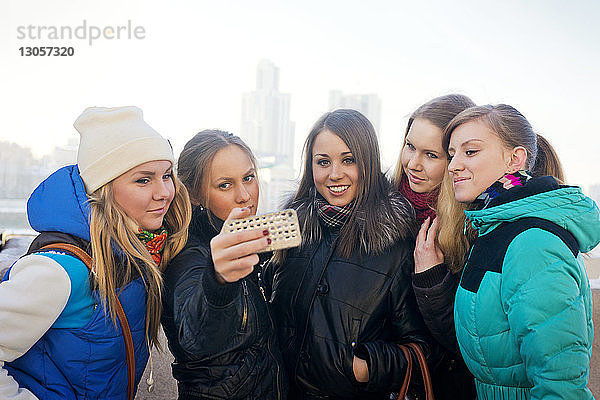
368	104
267	128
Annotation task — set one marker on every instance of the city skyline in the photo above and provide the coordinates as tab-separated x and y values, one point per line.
197	58
268	130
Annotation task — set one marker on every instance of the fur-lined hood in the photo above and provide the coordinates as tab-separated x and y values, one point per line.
392	220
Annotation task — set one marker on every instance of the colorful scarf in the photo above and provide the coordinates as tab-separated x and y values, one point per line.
423	203
333	216
154	241
503	184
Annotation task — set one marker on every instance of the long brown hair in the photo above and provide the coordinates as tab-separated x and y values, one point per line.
373	188
196	159
118	253
197	155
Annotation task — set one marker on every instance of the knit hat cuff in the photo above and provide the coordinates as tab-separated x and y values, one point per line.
122	159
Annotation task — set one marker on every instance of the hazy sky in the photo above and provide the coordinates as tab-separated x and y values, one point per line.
198	57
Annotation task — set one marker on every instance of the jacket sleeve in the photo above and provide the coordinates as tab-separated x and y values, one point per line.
435	290
32	299
546	296
203	308
385	360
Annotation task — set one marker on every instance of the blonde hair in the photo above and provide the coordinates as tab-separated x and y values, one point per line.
453	235
451	239
439	112
514	130
115	247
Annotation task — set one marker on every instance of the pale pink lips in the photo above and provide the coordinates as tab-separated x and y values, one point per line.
459	180
338	193
160	210
415	179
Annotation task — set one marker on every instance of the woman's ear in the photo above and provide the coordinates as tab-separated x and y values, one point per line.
518	159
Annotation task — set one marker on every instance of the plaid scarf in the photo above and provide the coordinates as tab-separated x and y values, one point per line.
333	216
154	241
503	184
423	203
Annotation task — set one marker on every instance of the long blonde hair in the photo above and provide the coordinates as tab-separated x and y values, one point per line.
439	112
514	130
451	239
115	247
454	232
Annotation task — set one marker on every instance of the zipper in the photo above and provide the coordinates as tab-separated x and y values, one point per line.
273	357
245	311
262	291
278	372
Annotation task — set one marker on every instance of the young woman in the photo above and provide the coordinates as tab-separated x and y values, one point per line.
215	316
59	334
523	309
421	168
343	300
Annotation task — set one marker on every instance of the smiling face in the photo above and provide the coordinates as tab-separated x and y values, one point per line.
334	169
423	159
145	193
231	182
479	158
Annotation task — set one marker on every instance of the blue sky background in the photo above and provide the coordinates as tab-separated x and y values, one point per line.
198	57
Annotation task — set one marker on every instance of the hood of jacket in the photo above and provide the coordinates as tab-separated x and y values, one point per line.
395	220
566	206
60	204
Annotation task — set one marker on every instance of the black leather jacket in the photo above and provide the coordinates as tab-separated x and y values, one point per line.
329	308
221	335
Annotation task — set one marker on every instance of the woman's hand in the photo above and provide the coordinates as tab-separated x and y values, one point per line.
427	252
234	254
361	369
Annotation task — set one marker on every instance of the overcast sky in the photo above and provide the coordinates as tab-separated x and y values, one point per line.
198	57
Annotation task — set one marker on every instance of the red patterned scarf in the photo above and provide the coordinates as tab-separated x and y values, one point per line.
423	203
154	241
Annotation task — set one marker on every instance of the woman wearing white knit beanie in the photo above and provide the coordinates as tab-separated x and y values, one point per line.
67	331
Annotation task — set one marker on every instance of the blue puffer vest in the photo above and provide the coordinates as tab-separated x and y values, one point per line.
86	361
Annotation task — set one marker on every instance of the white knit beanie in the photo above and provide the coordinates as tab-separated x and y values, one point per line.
114	140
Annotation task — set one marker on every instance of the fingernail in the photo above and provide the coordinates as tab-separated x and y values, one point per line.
268	240
266	232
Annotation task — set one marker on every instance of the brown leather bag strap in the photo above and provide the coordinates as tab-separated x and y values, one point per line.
406	382
418	352
424	369
129	352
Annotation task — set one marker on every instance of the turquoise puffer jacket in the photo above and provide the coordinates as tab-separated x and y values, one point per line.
524	326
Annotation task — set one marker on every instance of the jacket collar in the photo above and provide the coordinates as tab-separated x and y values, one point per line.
543	198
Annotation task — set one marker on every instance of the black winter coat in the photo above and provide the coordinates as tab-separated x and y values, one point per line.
221	335
328	308
435	290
